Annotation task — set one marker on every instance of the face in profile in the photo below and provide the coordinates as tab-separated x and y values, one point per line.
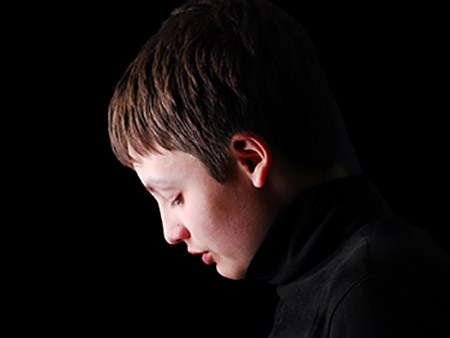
223	223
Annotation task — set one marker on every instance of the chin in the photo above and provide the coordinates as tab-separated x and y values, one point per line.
230	272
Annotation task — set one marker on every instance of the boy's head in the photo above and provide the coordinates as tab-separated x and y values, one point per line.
220	76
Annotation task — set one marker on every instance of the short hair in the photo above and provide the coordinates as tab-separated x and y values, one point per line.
219	67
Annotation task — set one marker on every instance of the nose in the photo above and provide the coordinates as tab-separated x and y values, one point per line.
174	231
176	234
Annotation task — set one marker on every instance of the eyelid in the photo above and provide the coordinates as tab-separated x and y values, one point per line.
177	201
157	196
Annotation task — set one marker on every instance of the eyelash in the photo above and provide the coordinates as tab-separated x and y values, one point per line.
177	201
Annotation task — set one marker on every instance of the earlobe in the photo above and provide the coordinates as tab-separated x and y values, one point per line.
253	155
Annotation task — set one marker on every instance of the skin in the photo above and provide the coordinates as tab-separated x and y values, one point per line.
224	222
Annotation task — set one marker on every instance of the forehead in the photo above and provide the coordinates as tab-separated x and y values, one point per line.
165	166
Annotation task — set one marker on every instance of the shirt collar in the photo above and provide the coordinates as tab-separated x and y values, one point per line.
313	226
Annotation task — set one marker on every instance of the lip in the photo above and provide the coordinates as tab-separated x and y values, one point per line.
207	258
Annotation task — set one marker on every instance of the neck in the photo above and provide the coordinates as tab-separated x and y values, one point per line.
287	182
313	226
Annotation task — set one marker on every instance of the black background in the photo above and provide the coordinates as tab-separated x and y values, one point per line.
96	261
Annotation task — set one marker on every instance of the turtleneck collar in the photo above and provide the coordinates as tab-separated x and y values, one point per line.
314	226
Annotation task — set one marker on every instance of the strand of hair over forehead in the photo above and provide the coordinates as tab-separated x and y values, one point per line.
142	103
128	125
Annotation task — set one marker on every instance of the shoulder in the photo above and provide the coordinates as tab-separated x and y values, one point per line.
387	277
395	248
388	305
403	287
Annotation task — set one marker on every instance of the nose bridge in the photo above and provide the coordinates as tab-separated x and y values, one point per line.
174	230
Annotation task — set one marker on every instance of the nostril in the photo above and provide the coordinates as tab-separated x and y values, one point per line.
177	235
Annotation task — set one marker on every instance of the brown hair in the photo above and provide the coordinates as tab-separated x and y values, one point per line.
217	67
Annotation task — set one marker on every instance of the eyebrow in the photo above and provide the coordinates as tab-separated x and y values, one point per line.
153	185
160	185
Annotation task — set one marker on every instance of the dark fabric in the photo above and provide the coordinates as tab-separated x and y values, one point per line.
345	265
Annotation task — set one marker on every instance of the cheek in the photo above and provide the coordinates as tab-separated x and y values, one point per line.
221	216
197	215
228	223
206	219
211	218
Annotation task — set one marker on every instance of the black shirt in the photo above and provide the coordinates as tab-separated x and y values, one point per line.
345	265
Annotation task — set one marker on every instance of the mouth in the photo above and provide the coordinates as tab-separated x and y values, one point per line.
206	256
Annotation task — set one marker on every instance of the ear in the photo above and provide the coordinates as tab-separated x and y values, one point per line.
253	155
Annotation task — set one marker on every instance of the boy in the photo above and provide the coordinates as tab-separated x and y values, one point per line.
227	119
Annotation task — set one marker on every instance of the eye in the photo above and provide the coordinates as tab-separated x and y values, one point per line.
177	201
